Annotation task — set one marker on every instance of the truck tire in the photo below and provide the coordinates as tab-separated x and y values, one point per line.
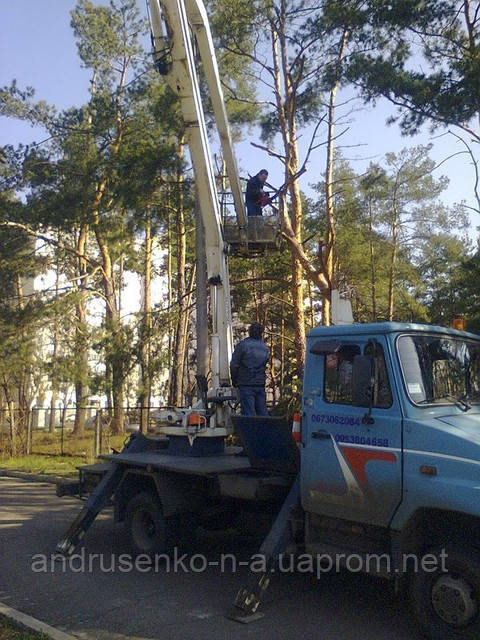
447	603
146	525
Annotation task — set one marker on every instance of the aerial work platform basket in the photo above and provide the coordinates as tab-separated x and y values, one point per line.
262	235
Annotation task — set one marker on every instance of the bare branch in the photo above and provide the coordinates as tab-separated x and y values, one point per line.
311	146
56	243
261	279
270	152
475	166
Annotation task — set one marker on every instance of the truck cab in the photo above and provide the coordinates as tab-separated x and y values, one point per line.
390	460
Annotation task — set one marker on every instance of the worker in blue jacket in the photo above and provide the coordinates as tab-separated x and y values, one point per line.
247	368
255	195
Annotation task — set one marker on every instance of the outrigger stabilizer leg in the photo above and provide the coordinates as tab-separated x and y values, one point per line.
98	500
279	537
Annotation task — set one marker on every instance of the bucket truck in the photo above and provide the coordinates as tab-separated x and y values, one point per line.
386	470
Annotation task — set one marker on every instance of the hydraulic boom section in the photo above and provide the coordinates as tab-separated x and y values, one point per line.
199	26
173	22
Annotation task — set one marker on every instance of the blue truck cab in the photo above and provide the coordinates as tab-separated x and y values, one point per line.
390	462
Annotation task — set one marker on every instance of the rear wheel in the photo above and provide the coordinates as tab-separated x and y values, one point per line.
446	602
146	524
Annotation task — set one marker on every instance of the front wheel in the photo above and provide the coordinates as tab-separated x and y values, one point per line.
446	601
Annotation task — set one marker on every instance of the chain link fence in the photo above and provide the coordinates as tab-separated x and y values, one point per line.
46	431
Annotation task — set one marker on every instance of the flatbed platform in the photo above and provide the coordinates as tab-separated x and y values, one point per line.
96	467
200	466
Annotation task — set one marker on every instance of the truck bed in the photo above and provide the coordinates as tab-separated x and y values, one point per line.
200	466
271	458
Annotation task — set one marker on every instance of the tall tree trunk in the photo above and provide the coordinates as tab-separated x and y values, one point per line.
53	411
81	337
331	231
201	299
286	105
282	350
82	342
146	331
373	277
116	365
298	313
187	374
120	277
108	387
180	332
13	411
186	317
393	266
10	414
312	307
297	288
24	381
170	302
55	339
113	324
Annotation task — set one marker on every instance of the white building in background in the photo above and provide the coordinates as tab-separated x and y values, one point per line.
41	398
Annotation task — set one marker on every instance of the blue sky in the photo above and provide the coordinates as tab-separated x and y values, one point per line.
37	49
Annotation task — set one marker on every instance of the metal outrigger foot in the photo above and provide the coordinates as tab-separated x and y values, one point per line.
279	537
98	500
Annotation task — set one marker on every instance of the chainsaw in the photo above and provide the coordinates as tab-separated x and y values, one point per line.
267	199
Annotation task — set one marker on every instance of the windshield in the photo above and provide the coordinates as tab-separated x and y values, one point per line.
440	369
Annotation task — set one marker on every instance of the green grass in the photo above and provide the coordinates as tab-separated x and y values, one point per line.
51	465
46	453
72	445
10	631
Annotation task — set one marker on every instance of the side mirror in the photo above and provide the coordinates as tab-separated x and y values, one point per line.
364	374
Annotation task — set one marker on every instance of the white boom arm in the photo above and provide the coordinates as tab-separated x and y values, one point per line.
174	22
198	19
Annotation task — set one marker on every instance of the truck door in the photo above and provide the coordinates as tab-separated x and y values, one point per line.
351	464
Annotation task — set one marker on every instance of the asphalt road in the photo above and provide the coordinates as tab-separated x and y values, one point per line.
171	605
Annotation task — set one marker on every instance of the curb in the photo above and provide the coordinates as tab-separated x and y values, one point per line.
26	621
32	477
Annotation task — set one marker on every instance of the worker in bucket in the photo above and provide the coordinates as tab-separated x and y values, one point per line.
255	196
247	368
